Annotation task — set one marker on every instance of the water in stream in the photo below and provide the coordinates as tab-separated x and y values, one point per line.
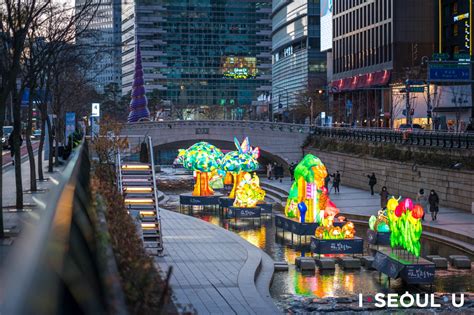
294	291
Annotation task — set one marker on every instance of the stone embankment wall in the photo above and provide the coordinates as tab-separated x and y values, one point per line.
454	187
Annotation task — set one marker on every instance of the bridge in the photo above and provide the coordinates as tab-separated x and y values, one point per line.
280	142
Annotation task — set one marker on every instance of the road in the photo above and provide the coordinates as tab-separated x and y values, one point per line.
6	155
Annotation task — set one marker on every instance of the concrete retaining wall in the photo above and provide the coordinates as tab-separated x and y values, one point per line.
454	187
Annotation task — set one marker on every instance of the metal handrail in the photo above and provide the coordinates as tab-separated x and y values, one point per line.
54	267
222	123
419	138
119	175
155	188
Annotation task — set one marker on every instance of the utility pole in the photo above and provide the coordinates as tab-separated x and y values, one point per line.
407	103
428	114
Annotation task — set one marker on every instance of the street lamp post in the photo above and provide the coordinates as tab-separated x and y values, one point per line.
310	99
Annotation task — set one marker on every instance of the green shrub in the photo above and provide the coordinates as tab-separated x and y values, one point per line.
145	291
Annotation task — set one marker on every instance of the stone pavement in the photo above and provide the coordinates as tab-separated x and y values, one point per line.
357	202
214	269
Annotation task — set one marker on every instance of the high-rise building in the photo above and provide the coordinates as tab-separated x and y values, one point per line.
202	59
102	41
298	65
454	27
454	42
377	45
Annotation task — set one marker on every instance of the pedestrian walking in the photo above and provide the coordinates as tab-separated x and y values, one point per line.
422	200
274	170
372	182
10	144
433	200
269	170
383	198
326	182
291	168
336	182
279	172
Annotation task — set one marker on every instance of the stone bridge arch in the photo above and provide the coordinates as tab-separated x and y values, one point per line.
279	142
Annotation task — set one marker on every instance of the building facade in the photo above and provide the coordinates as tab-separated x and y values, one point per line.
377	46
298	65
201	59
102	42
453	107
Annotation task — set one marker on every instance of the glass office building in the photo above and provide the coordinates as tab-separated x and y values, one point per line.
299	66
102	42
202	59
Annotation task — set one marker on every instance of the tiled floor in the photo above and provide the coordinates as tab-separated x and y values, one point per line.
213	269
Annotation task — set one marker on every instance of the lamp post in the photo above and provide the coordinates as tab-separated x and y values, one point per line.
310	99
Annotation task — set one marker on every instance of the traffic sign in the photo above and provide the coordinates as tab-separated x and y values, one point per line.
417	89
445	72
413	89
442	56
95	110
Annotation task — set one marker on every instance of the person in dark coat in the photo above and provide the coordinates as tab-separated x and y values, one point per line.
336	181
383	197
433	200
326	182
372	182
291	168
10	144
422	199
279	172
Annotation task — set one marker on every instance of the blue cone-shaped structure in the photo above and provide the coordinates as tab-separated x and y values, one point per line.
138	105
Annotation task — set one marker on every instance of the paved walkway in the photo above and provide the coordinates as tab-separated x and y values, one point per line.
13	219
359	202
213	269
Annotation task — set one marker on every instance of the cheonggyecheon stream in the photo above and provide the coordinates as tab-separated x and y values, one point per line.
317	291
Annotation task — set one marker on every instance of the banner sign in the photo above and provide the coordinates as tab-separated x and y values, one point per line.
344	246
234	212
70	124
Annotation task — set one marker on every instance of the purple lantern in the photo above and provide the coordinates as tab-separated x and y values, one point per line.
138	105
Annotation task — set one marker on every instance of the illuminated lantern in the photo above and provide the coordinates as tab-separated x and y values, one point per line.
408	203
240	162
248	193
319	232
348	230
302	208
392	204
335	232
383	227
324	190
417	212
399	210
372	221
202	158
228	178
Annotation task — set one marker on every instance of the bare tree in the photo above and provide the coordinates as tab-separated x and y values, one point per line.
22	22
60	32
304	101
16	18
112	104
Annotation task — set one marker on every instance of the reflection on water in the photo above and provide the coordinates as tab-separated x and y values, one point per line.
336	283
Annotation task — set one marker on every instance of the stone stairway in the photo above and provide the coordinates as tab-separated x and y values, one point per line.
141	199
